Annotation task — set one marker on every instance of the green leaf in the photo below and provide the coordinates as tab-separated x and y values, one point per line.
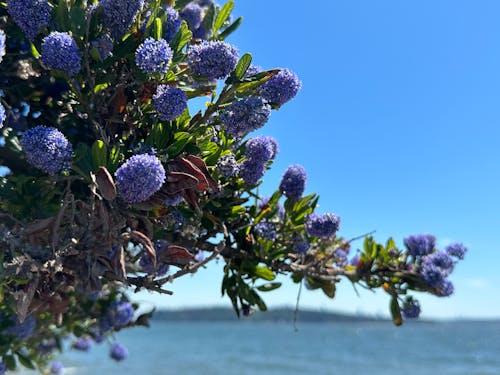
242	66
10	362
238	210
157	28
223	15
230	29
208	20
329	289
264	273
181	140
99	154
268	287
114	159
25	361
180	39
34	51
259	301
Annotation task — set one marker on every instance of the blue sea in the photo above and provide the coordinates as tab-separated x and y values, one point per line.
246	347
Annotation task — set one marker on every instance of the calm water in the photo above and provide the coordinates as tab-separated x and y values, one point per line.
274	348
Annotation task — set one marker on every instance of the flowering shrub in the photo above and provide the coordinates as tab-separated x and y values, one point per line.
115	185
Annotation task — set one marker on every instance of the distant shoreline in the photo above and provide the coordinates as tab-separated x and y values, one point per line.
285	314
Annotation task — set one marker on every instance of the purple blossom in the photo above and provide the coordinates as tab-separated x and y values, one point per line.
432	275
2	47
104	46
118	352
265	230
82	344
456	250
411	308
153	56
47	149
170	102
420	244
293	182
119	314
228	166
173	201
212	60
445	289
439	259
139	178
251	172
59	51
22	330
172	23
260	149
118	15
322	226
3	368
354	260
281	88
193	15
47	346
300	244
200	33
245	115
32	16
56	368
147	264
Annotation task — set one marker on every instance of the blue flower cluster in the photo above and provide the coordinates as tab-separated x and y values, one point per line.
420	244
228	166
212	60
32	16
46	148
146	263
293	182
118	15
300	244
411	309
2	115
140	177
104	46
172	23
59	51
153	56
119	314
56	368
456	250
82	344
21	330
245	115
170	102
434	270
281	88
265	230
259	150
322	226
193	15
2	45
47	346
118	352
3	368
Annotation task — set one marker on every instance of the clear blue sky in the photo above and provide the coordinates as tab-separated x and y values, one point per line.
398	127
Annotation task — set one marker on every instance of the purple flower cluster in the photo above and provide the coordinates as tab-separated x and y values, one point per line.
47	346
293	182
170	102
32	16
2	45
212	60
173	201
139	178
119	315
193	15
118	352
104	46
456	250
56	368
3	368
59	51
411	308
82	344
172	23
146	263
228	166
245	115
322	226
434	270
300	244
47	149
22	330
420	244
118	15
265	230
259	151
153	56
281	88
2	115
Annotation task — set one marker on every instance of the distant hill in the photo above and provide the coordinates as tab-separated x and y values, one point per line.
273	315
